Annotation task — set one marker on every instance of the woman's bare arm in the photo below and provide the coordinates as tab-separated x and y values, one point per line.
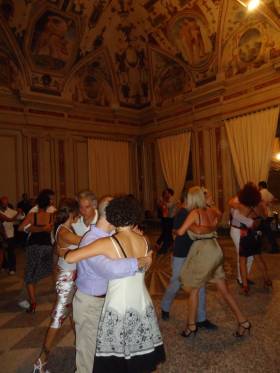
27	221
103	246
4	218
68	237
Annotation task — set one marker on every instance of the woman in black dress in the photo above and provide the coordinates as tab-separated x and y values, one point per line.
39	251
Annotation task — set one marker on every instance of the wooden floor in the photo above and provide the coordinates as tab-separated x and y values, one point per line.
21	334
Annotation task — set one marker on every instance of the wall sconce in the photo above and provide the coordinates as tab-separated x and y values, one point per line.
250	4
277	156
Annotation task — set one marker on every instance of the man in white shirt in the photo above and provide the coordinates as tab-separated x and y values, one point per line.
268	198
8	216
88	212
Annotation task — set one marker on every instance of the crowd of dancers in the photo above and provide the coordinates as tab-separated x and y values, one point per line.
100	256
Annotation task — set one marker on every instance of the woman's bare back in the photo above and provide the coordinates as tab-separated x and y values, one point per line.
133	244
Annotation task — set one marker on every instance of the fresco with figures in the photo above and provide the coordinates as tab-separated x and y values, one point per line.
93	83
133	53
170	79
53	41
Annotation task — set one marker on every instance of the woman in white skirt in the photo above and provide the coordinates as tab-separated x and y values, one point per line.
66	274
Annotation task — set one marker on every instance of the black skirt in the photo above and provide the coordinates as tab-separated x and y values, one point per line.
145	363
250	243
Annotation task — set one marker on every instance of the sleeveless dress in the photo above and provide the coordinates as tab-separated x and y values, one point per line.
250	238
129	339
65	288
204	262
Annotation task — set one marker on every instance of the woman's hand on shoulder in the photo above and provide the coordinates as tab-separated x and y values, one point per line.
144	263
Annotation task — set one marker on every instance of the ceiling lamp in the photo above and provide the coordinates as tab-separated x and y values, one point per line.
250	4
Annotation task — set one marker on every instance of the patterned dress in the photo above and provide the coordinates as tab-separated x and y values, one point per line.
129	339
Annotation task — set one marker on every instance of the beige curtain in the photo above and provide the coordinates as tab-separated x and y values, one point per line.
174	156
108	167
275	164
251	139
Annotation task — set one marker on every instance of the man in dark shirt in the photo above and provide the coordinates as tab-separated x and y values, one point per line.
182	247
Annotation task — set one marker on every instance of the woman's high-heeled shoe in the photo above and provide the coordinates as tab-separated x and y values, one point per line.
245	290
187	333
32	308
243	328
39	367
267	284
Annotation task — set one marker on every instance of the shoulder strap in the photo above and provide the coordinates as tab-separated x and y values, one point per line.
147	246
115	238
35	218
115	246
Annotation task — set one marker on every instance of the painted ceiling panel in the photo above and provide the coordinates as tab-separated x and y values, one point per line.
132	53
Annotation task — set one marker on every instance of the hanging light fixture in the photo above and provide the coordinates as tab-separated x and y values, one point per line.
250	4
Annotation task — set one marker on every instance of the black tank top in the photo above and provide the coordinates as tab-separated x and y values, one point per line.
40	238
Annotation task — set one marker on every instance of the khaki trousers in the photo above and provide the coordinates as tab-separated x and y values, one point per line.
86	313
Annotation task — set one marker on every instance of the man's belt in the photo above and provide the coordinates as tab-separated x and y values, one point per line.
100	296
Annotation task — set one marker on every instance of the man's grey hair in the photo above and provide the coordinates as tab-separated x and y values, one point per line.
103	203
89	195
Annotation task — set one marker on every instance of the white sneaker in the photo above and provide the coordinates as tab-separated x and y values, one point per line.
12	273
24	304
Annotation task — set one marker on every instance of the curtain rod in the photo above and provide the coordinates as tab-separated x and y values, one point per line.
252	112
178	132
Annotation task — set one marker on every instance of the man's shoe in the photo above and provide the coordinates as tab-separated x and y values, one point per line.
164	315
274	251
250	282
206	324
24	304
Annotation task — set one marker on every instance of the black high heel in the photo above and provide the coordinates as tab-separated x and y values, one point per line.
243	327
187	333
32	308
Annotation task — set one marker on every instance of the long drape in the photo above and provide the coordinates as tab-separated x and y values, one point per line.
275	164
251	141
174	157
108	166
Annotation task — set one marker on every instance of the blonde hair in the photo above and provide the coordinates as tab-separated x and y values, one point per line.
196	198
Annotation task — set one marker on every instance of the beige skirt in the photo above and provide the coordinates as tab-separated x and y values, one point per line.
204	262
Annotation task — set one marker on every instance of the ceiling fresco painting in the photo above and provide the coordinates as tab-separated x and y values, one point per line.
132	53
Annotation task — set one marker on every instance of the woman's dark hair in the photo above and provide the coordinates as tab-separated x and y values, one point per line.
249	195
124	211
43	201
67	206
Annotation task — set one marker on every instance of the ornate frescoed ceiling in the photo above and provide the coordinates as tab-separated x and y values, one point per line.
131	53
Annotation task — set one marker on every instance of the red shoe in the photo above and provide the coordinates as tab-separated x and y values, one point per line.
32	308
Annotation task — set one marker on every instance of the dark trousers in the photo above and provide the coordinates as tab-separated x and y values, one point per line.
9	254
165	240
